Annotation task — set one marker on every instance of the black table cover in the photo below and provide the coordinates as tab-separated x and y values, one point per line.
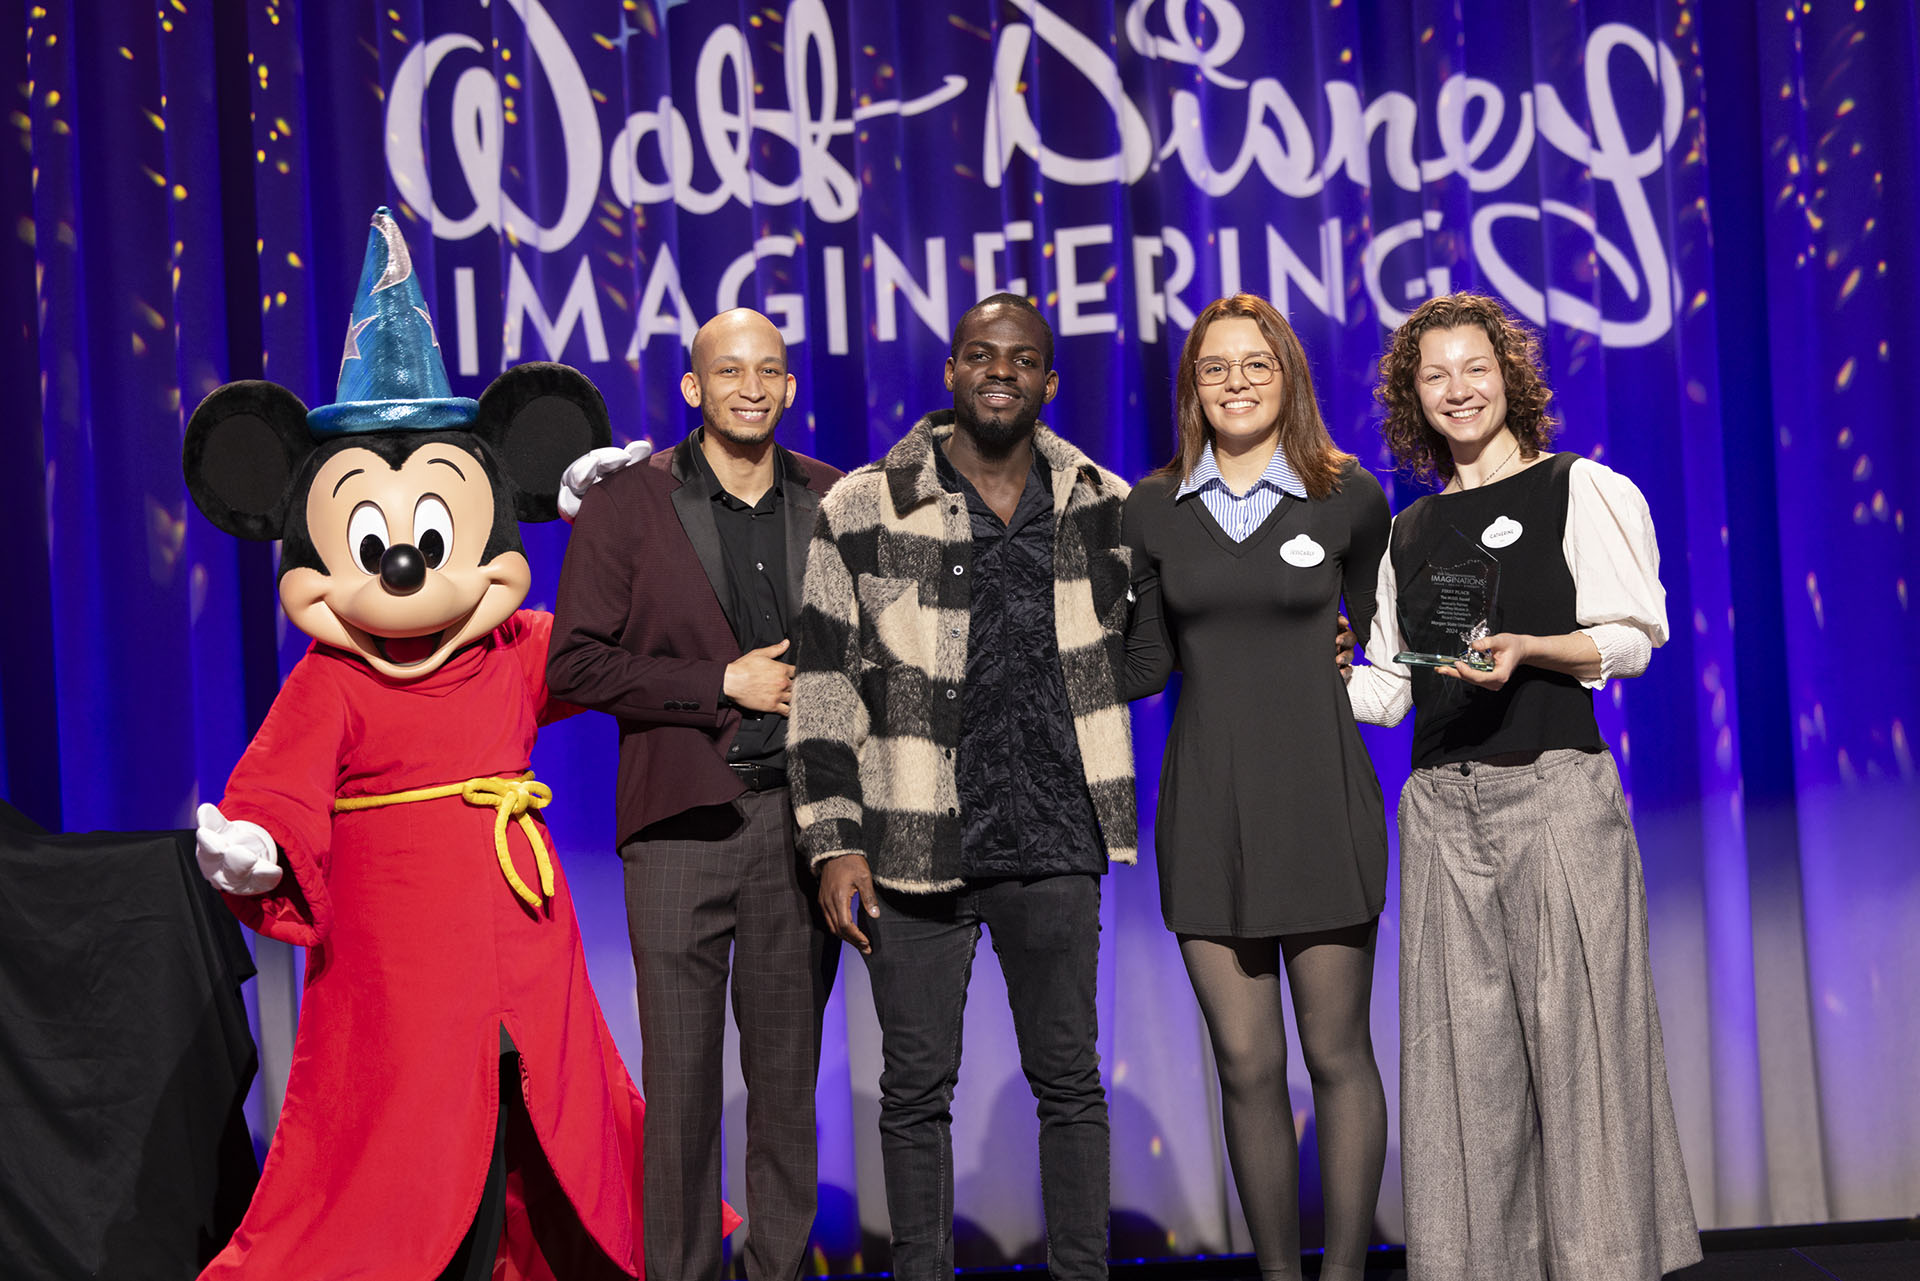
124	1057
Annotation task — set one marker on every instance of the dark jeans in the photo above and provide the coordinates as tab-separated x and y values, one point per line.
1046	933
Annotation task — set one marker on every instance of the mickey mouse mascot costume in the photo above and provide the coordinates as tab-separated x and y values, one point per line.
456	1107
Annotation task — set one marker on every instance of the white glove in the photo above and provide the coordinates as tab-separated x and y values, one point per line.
580	474
238	857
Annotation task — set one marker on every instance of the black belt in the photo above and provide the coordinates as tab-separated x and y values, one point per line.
758	778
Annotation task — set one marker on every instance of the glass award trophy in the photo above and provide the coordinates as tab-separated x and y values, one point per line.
1448	604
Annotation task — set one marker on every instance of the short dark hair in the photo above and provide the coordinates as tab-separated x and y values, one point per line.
1018	302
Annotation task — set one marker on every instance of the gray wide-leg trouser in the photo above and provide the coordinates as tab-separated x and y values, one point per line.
1537	1134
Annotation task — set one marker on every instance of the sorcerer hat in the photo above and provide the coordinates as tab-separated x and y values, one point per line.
392	377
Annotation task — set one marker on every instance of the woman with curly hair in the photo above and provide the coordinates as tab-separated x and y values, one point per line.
1271	838
1537	1137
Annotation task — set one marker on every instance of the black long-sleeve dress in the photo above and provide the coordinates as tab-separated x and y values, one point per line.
1270	819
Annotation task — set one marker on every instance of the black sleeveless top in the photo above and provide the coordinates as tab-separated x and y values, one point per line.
1536	710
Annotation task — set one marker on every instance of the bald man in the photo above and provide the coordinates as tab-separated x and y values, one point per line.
681	581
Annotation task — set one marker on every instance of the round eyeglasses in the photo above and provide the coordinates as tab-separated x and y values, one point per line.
1258	370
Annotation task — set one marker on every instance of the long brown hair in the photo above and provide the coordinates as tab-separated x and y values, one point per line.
1416	446
1303	434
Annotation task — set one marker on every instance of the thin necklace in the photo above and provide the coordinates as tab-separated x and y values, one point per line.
1496	471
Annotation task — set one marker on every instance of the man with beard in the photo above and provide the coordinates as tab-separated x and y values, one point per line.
961	758
674	610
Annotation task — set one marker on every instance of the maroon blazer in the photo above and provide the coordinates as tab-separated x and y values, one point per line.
639	631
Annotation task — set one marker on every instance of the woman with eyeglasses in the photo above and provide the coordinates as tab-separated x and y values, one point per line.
1271	840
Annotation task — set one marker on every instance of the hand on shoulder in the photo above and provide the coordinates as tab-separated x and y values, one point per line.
588	470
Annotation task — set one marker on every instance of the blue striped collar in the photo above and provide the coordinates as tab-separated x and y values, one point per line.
1279	475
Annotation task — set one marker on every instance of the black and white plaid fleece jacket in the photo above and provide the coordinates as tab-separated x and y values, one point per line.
881	659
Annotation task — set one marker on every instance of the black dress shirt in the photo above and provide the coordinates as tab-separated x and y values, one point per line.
1024	806
753	546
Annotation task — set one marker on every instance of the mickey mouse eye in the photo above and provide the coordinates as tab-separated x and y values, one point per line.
433	530
367	536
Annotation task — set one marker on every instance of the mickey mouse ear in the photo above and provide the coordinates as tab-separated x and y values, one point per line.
244	445
539	417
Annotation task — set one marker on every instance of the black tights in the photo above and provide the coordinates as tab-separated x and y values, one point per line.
1331	976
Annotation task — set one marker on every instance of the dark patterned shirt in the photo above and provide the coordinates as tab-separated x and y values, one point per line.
1024	804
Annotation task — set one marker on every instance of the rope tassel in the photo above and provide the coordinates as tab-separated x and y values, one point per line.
508	798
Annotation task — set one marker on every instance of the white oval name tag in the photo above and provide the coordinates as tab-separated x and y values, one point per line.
1302	551
1504	532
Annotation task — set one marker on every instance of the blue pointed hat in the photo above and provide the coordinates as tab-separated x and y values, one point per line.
392	377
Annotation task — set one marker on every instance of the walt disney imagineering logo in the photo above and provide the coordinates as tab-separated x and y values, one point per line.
697	152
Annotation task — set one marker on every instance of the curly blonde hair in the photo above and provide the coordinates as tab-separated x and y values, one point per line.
1416	446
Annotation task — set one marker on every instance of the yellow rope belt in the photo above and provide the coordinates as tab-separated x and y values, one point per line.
507	797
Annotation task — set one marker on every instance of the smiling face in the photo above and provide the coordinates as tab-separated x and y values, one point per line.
404	583
998	374
1242	411
739	380
1462	391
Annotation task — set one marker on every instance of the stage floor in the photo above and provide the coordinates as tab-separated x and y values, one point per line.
1887	1250
1858	1261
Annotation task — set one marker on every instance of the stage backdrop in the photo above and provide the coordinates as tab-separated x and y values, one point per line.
1708	210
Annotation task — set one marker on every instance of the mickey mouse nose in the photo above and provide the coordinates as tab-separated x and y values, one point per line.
402	569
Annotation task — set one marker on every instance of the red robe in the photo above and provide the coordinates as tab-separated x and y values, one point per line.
419	952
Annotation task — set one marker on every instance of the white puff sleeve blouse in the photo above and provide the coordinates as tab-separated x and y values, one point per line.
1610	549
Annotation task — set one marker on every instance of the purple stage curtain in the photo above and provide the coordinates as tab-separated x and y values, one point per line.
1707	208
